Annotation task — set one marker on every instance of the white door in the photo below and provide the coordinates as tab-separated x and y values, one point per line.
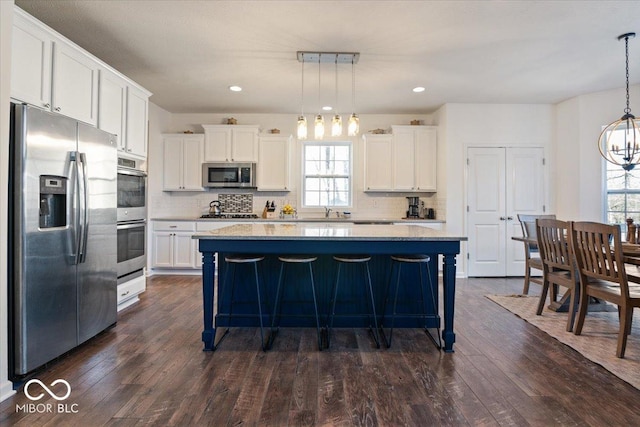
501	183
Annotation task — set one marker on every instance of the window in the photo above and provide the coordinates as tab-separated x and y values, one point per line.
326	174
622	191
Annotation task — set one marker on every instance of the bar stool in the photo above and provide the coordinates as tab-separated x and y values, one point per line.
363	260
398	261
293	259
233	261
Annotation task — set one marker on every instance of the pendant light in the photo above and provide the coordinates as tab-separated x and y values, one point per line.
336	122
618	142
353	126
302	120
319	122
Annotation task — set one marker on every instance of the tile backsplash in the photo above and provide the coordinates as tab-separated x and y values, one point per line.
365	205
236	203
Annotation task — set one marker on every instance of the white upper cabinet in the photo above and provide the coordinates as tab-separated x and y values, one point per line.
403	161
75	84
49	73
378	151
52	73
112	105
31	62
137	117
273	163
426	165
123	110
182	170
231	143
415	158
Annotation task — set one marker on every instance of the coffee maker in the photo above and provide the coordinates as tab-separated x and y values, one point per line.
414	207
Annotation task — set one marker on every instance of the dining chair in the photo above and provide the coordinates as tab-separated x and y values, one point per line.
558	264
604	275
531	254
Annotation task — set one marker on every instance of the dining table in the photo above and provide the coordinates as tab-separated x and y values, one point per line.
631	253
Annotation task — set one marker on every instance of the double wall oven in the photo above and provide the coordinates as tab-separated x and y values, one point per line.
132	219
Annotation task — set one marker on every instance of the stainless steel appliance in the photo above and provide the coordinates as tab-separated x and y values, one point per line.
414	207
132	189
62	222
229	175
131	249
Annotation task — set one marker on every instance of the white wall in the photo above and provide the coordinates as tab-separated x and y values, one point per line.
6	19
192	204
484	125
579	165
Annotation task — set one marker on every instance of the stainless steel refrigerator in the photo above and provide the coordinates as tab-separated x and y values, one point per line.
63	238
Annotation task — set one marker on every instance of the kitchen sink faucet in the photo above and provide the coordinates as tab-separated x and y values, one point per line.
327	211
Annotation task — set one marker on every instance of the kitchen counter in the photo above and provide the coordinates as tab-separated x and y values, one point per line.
325	240
352	220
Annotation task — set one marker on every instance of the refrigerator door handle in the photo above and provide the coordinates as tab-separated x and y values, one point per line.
75	201
84	209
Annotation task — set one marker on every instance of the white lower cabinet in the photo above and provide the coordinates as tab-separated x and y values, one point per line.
172	245
128	292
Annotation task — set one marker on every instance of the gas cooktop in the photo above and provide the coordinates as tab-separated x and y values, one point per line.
231	215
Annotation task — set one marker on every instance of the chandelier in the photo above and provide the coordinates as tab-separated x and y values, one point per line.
336	121
618	142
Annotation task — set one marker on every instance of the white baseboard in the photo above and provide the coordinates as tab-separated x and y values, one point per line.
6	390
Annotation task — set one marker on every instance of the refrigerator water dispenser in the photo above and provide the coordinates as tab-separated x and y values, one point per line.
53	201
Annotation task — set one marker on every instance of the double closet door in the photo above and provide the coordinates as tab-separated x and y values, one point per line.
501	183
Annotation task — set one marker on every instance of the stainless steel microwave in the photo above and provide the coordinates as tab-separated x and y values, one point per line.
229	175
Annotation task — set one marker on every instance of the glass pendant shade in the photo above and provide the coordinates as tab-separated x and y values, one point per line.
336	125
302	127
619	142
353	126
319	127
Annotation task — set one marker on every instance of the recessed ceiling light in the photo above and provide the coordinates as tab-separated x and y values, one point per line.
327	108
235	88
418	89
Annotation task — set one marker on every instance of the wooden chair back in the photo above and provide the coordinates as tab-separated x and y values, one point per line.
528	225
555	246
598	251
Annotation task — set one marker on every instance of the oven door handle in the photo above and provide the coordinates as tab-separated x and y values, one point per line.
127	225
132	172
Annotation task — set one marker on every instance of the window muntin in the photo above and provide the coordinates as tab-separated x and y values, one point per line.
327	174
622	191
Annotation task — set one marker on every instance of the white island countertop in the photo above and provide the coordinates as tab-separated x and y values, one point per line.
335	231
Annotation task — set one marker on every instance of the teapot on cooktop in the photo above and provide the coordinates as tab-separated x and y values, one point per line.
214	208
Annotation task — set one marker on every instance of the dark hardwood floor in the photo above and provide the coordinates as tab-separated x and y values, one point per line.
150	369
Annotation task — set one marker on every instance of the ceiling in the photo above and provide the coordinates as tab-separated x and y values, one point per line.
189	52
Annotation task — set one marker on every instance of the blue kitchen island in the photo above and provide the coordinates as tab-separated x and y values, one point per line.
325	240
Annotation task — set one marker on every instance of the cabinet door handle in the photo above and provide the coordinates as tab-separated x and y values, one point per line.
502	218
57	108
124	294
510	218
47	105
173	226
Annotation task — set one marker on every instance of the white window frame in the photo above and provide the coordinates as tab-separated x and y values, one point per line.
625	191
304	175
